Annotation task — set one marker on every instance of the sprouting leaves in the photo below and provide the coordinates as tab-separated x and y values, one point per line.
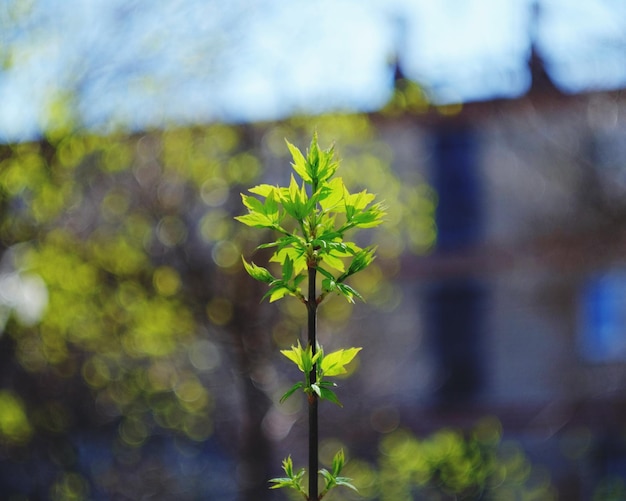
318	166
261	215
279	288
258	272
320	210
332	364
293	479
302	357
332	478
311	217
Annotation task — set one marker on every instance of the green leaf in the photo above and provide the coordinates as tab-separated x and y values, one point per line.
303	358
342	249
296	254
327	384
294	354
332	195
348	292
329	284
313	157
326	273
277	292
287	268
299	162
294	200
268	245
332	479
357	201
329	395
292	480
281	482
333	364
298	279
345	482
263	190
338	462
258	272
291	391
326	166
370	218
253	204
263	215
257	220
361	260
328	477
334	262
281	242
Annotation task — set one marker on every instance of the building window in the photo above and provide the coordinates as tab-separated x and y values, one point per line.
455	305
602	333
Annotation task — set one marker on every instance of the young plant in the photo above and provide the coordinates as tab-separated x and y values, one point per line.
311	218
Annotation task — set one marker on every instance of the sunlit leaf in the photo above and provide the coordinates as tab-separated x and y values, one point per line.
263	190
256	219
294	354
253	204
299	162
258	272
295	254
302	357
333	193
333	364
277	292
334	262
370	218
361	260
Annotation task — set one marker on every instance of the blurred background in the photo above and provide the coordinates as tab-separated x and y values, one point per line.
136	359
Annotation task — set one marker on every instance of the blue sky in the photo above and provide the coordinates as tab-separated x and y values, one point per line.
142	63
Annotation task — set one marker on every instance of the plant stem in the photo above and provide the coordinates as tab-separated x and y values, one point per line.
312	398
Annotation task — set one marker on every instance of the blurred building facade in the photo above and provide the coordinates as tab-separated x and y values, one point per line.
521	304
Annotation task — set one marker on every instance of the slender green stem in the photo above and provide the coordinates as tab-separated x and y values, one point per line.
312	397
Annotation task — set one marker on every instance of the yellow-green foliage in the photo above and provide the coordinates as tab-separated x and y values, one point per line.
449	465
100	220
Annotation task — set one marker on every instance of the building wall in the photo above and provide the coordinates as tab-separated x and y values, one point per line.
551	220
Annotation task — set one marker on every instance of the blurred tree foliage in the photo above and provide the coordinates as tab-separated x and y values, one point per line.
449	465
124	307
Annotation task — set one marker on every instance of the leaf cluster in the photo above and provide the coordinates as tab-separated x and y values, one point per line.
293	480
311	218
332	478
332	364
